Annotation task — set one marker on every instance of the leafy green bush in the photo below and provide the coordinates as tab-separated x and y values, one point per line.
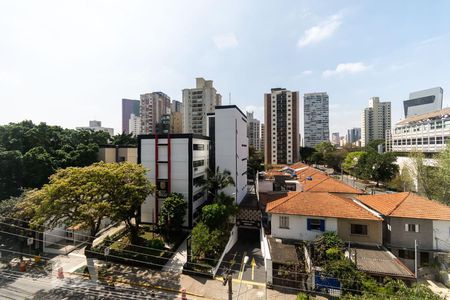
333	253
156	244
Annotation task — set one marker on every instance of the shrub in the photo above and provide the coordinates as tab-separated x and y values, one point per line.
156	244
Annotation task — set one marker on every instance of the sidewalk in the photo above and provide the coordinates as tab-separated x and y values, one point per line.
178	260
196	287
438	288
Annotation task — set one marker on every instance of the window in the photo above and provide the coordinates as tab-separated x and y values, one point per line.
284	222
315	224
199	163
358	229
198	180
199	147
406	254
412	227
198	196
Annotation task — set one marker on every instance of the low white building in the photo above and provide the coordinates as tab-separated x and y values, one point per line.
97	126
227	128
175	163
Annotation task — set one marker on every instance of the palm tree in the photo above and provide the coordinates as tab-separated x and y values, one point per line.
216	181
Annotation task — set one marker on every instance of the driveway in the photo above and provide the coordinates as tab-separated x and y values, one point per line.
248	244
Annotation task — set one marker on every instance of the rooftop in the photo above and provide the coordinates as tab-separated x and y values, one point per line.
323	183
431	115
319	205
282	253
406	205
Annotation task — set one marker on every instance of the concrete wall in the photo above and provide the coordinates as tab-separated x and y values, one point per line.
404	239
441	235
374	231
298	227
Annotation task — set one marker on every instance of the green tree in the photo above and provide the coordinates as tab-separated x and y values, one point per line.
216	181
376	167
84	196
306	153
11	168
335	159
350	162
215	215
124	139
173	212
443	176
38	166
206	242
373	145
403	181
255	163
325	147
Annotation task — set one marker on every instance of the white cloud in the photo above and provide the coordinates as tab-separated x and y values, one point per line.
348	68
320	32
225	41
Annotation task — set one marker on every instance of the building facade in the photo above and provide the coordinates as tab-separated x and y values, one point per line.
227	129
176	122
129	107
375	121
197	103
353	135
316	116
174	163
281	127
176	106
116	153
427	133
97	126
153	106
134	125
422	102
253	132
262	138
335	138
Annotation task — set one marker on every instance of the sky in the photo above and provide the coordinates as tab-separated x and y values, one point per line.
68	62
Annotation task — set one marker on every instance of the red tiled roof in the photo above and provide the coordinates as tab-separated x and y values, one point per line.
324	183
407	205
319	205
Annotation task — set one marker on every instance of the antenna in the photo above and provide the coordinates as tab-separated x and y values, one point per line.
229	98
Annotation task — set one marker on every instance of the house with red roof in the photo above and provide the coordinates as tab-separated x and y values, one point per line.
409	217
306	215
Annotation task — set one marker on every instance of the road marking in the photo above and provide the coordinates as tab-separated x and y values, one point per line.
241	272
253	268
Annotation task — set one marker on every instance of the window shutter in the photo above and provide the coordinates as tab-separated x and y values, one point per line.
406	227
322	225
417	227
308	224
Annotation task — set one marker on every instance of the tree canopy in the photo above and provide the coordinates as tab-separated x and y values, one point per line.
173	211
84	196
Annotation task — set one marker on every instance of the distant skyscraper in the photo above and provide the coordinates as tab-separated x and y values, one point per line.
281	127
197	103
176	106
422	102
134	125
253	132
353	135
97	126
153	106
129	107
375	121
335	139
316	112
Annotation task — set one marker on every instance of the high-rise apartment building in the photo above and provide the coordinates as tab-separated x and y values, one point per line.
335	138
176	106
353	135
375	121
176	122
253	132
422	102
281	127
129	107
262	138
316	112
197	103
134	125
153	106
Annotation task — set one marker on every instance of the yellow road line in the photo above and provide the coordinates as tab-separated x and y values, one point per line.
220	278
241	272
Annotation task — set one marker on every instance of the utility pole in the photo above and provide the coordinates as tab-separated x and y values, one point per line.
415	259
229	280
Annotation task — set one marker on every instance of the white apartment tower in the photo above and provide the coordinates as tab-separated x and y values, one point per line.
197	103
375	121
253	132
134	124
153	106
281	127
317	124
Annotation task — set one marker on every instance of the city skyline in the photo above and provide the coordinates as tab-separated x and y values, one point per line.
80	70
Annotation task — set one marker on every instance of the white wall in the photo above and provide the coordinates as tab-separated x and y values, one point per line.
298	227
441	235
230	136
